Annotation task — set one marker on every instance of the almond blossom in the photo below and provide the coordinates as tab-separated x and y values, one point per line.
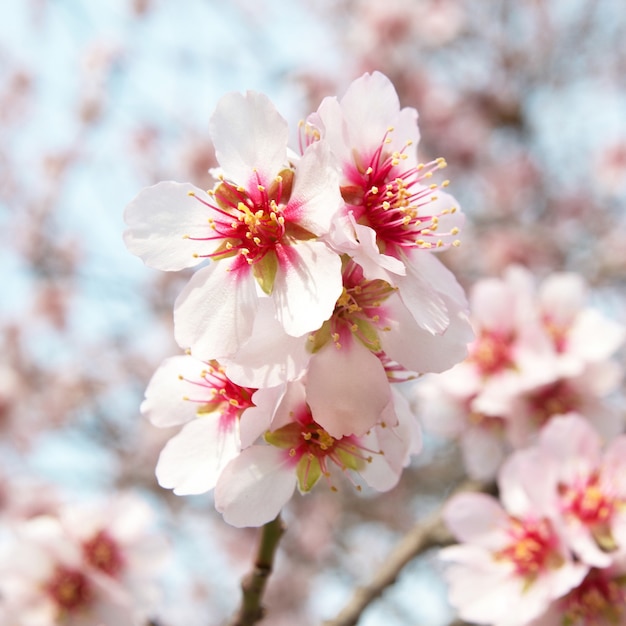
198	395
296	451
262	227
392	212
91	564
585	486
540	351
512	562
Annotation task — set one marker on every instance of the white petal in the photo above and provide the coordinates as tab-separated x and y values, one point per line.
347	389
270	357
255	486
192	461
249	134
158	220
315	198
164	404
476	518
214	313
422	351
307	286
421	292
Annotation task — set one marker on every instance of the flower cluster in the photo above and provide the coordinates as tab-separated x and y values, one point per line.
83	565
539	352
317	289
554	551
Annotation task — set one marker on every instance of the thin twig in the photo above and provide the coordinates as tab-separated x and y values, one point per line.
251	610
426	534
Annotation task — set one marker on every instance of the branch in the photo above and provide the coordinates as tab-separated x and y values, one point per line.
251	610
426	534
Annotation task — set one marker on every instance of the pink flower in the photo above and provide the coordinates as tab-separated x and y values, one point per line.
262	226
94	564
512	562
200	396
599	600
539	352
586	487
392	212
298	452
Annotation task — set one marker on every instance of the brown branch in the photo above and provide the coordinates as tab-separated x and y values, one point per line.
253	585
428	533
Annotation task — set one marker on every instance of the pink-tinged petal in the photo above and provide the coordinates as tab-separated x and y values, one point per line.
527	482
315	199
483	452
594	337
379	473
258	419
484	597
347	389
419	350
614	466
562	296
570	439
476	518
370	105
214	313
254	487
439	412
192	461
270	357
159	221
307	286
493	305
423	289
164	404
330	118
249	134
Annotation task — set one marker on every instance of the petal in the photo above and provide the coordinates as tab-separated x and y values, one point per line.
419	350
255	486
214	313
307	286
422	290
315	198
347	389
270	356
159	219
370	106
164	404
249	134
476	518
192	461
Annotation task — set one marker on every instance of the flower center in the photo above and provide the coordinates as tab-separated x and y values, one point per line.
588	502
69	589
532	548
597	600
554	399
358	311
393	201
312	450
491	352
218	394
249	223
103	553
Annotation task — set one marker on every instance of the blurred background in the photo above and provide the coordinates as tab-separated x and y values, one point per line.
525	100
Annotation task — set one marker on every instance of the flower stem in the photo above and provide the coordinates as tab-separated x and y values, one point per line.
251	610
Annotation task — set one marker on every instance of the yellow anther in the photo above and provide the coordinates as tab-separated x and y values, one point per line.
454	231
456	243
191	193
